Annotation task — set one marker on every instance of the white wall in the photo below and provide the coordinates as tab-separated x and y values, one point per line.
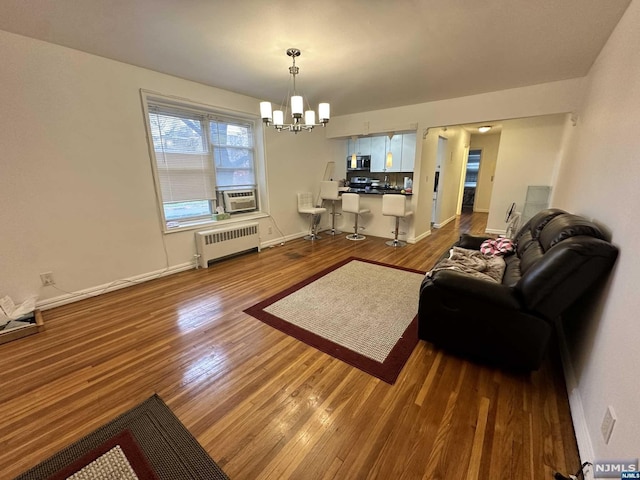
296	163
528	155
599	178
451	176
423	180
489	145
545	99
76	185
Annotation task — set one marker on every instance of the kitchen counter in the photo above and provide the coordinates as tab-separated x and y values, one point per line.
376	191
375	223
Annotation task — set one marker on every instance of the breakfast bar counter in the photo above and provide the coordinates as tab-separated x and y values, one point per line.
374	222
377	191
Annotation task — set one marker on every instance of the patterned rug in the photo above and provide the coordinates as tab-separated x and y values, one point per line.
359	311
148	443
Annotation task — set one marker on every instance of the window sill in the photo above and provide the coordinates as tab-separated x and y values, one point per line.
198	225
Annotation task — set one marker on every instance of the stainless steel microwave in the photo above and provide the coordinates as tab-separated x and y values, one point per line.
363	162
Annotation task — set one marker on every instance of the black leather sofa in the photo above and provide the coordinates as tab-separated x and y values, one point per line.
558	256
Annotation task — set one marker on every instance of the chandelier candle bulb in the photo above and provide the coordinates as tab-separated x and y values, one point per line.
265	111
310	117
278	118
323	112
297	106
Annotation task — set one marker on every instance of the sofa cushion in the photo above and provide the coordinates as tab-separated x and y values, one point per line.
566	226
532	255
512	271
540	220
524	241
536	223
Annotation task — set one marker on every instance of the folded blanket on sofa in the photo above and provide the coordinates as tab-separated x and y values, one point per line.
472	262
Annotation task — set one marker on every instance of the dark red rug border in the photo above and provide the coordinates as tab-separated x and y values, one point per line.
387	371
129	446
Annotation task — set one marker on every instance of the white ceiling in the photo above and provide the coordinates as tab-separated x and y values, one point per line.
358	55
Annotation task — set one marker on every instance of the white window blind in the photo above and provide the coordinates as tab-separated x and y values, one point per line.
183	160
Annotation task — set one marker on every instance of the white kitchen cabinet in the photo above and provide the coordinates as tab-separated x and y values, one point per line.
361	146
351	147
402	147
378	154
408	152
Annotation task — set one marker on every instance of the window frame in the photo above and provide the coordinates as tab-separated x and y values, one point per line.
183	106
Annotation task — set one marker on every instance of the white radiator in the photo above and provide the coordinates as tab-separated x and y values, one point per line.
223	242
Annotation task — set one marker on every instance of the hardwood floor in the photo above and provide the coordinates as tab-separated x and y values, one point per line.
265	405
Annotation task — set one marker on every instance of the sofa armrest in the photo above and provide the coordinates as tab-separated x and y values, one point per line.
472	242
468	287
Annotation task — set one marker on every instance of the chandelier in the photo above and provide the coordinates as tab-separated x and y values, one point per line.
276	118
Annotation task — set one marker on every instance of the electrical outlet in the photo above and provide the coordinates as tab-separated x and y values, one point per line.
47	279
270	230
608	422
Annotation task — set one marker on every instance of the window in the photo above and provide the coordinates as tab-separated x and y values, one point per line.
198	155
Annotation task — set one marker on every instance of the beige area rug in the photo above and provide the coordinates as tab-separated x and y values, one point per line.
113	464
359	311
147	442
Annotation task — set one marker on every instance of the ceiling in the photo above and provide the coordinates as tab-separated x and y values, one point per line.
359	55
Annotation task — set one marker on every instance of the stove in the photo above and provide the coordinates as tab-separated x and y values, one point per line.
359	183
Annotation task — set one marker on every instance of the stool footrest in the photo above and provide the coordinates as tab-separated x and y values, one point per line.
355	236
396	243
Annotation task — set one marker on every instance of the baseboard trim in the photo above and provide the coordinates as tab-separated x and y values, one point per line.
283	240
583	439
71	297
448	220
495	231
422	236
480	210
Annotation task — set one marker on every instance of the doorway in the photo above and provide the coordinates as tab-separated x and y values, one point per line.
471	180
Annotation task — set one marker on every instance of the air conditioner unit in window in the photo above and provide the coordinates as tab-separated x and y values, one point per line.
239	200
